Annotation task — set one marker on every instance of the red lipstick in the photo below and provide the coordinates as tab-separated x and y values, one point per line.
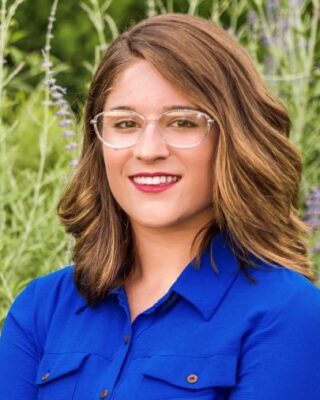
154	182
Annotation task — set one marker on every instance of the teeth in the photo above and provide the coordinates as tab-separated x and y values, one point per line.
155	180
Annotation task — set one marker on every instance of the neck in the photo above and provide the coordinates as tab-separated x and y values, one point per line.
162	254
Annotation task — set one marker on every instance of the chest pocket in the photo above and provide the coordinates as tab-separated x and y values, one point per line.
181	377
57	375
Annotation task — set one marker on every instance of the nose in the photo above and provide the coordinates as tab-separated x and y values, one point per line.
151	145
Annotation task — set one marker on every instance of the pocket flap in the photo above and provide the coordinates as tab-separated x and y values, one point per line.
53	366
193	372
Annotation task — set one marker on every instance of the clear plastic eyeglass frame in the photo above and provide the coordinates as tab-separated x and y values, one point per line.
94	123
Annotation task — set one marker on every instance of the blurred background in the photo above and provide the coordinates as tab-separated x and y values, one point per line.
49	50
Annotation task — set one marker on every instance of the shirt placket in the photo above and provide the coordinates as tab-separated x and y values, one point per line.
115	390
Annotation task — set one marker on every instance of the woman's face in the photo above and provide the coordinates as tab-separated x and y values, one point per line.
185	203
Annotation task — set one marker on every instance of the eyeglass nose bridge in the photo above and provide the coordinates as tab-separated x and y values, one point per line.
155	121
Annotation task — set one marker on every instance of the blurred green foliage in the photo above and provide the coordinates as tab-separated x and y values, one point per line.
75	40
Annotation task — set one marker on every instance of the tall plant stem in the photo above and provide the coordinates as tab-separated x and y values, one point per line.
3	40
308	67
42	147
6	15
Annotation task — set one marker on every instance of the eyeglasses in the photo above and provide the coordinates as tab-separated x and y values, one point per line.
121	129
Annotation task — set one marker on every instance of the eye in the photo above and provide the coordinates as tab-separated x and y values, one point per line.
125	124
183	123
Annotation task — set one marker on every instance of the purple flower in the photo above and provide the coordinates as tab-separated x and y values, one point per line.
71	146
251	17
47	64
68	133
265	41
57	88
298	3
63	113
65	123
272	5
73	163
312	214
316	248
272	11
57	95
60	102
50	81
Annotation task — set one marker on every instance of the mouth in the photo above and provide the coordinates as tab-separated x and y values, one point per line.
156	182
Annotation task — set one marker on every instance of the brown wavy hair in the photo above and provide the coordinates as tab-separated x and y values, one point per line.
257	170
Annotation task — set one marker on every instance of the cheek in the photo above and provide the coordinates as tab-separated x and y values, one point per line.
201	175
114	163
203	188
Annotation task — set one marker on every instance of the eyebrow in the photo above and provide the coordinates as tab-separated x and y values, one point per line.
166	108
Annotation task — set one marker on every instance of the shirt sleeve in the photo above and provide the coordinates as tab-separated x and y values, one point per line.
19	352
281	357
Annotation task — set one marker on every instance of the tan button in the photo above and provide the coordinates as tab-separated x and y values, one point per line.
192	378
104	394
126	339
45	376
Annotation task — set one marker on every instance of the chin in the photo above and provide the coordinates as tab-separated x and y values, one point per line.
155	224
154	221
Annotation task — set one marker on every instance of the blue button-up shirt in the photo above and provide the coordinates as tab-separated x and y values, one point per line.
212	336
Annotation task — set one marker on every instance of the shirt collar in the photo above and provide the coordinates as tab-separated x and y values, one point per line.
202	286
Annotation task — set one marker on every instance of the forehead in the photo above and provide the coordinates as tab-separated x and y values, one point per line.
142	87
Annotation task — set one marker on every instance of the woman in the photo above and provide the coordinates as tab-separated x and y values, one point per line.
191	276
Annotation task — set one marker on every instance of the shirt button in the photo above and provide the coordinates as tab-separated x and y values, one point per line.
104	394
45	376
126	339
192	378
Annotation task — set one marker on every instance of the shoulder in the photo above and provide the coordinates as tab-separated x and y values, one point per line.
55	282
281	295
35	308
279	323
43	295
49	288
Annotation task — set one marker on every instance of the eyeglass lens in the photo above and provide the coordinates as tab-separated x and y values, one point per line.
178	128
